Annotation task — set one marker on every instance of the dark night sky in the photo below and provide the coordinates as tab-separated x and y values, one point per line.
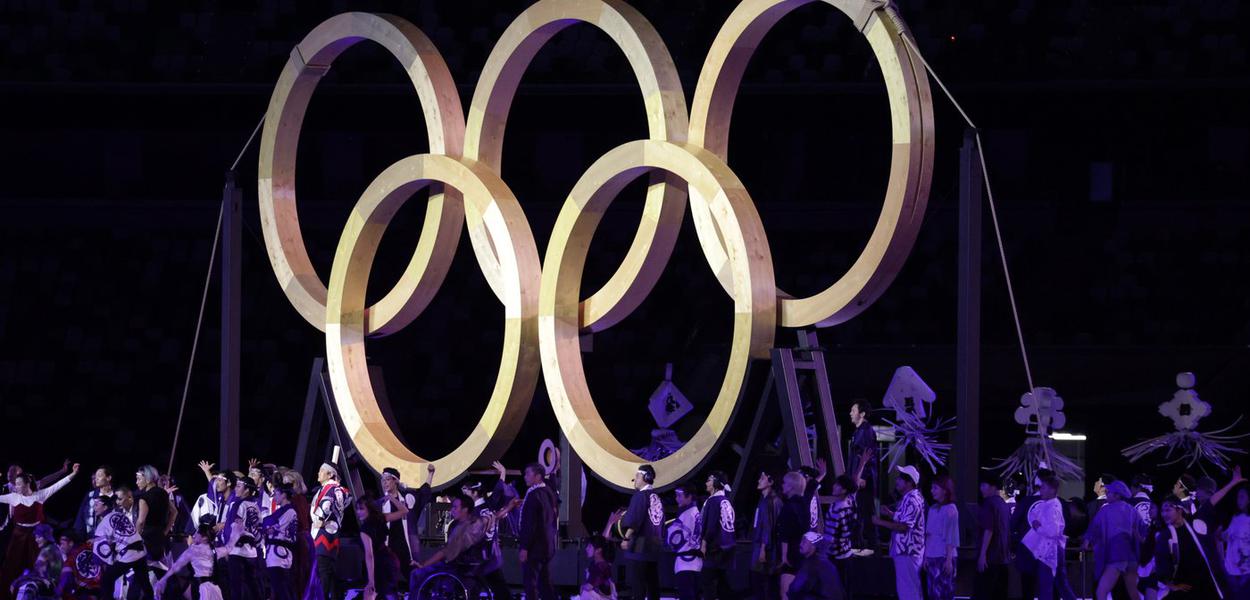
119	123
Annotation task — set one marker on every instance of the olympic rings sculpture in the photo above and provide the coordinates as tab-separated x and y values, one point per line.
684	156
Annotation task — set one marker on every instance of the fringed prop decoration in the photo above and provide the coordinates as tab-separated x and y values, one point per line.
1187	444
915	425
1041	412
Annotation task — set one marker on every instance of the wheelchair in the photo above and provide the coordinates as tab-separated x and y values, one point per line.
452	583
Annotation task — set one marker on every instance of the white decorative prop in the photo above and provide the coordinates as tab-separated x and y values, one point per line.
1186	409
667	403
915	425
908	393
1041	413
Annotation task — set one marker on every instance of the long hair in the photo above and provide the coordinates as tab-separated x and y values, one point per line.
947	485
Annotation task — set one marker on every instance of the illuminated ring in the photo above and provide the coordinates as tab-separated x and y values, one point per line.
911	165
667	119
345	315
444	119
753	294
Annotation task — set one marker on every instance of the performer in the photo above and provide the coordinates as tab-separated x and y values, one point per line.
1114	536
716	533
817	577
491	510
1045	541
213	501
765	547
812	476
1237	550
941	541
642	523
326	510
487	503
683	539
243	537
1186	556
302	568
402	506
598	584
993	552
202	558
154	513
862	450
26	506
1183	491
39	581
101	485
468	550
907	538
281	531
1141	501
793	522
537	536
840	527
381	565
117	543
1023	560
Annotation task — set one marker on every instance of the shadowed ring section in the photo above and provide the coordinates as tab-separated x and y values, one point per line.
279	218
753	292
911	161
345	315
667	119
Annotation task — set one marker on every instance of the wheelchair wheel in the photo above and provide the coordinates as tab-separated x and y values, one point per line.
451	586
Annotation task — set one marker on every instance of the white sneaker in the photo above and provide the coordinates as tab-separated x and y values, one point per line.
862	552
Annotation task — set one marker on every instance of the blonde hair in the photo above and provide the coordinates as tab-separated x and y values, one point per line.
797	481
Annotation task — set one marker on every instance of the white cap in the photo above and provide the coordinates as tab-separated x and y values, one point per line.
911	473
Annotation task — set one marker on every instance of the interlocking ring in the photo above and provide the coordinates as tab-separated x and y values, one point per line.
911	164
485	195
544	311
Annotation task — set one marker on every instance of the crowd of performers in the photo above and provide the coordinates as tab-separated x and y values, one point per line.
266	534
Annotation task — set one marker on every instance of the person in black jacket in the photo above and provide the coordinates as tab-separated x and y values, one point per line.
643	524
765	547
717	533
101	485
863	464
817	578
537	537
1185	555
792	523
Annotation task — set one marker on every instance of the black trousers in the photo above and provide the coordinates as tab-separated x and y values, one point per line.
326	576
280	583
537	580
764	585
990	583
866	534
497	584
687	585
140	587
843	565
244	580
715	583
644	579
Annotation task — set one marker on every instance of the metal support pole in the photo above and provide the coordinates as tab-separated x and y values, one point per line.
968	338
571	490
231	284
